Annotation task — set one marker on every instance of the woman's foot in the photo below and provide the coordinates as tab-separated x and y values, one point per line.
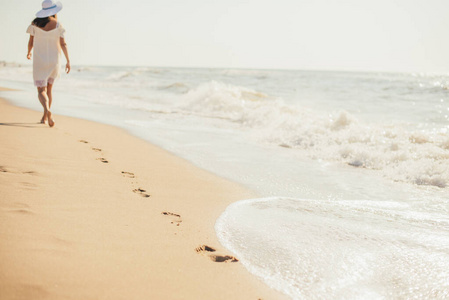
51	122
44	119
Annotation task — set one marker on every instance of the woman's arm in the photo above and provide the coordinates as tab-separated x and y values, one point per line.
66	54
30	46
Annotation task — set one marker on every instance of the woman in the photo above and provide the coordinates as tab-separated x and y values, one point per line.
47	38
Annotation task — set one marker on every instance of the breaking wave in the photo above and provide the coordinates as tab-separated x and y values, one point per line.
399	151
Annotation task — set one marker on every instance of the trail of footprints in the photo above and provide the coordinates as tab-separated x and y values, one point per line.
175	218
141	192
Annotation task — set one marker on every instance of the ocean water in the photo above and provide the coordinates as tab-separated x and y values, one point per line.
351	169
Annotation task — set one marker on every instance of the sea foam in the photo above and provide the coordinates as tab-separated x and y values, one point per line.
400	151
339	249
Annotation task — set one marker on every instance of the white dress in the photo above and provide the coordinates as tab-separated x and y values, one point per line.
46	53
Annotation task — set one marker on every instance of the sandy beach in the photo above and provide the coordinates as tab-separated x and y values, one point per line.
88	211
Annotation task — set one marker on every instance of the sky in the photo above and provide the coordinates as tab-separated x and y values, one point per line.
348	35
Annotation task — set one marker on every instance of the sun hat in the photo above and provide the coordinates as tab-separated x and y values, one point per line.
49	8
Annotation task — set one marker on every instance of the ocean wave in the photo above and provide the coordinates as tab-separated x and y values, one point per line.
219	100
259	74
177	87
116	76
134	72
396	150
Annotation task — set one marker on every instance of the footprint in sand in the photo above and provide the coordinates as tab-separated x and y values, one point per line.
30	172
20	208
83	141
141	192
204	250
96	149
21	211
6	170
176	219
128	174
103	160
223	258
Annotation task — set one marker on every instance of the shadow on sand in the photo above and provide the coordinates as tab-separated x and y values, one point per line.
28	125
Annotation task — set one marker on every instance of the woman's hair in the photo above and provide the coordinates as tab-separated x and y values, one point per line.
41	22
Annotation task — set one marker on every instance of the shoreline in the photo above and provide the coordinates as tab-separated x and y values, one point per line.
89	211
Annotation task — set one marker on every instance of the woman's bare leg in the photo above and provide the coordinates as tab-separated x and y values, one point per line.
43	99
50	99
